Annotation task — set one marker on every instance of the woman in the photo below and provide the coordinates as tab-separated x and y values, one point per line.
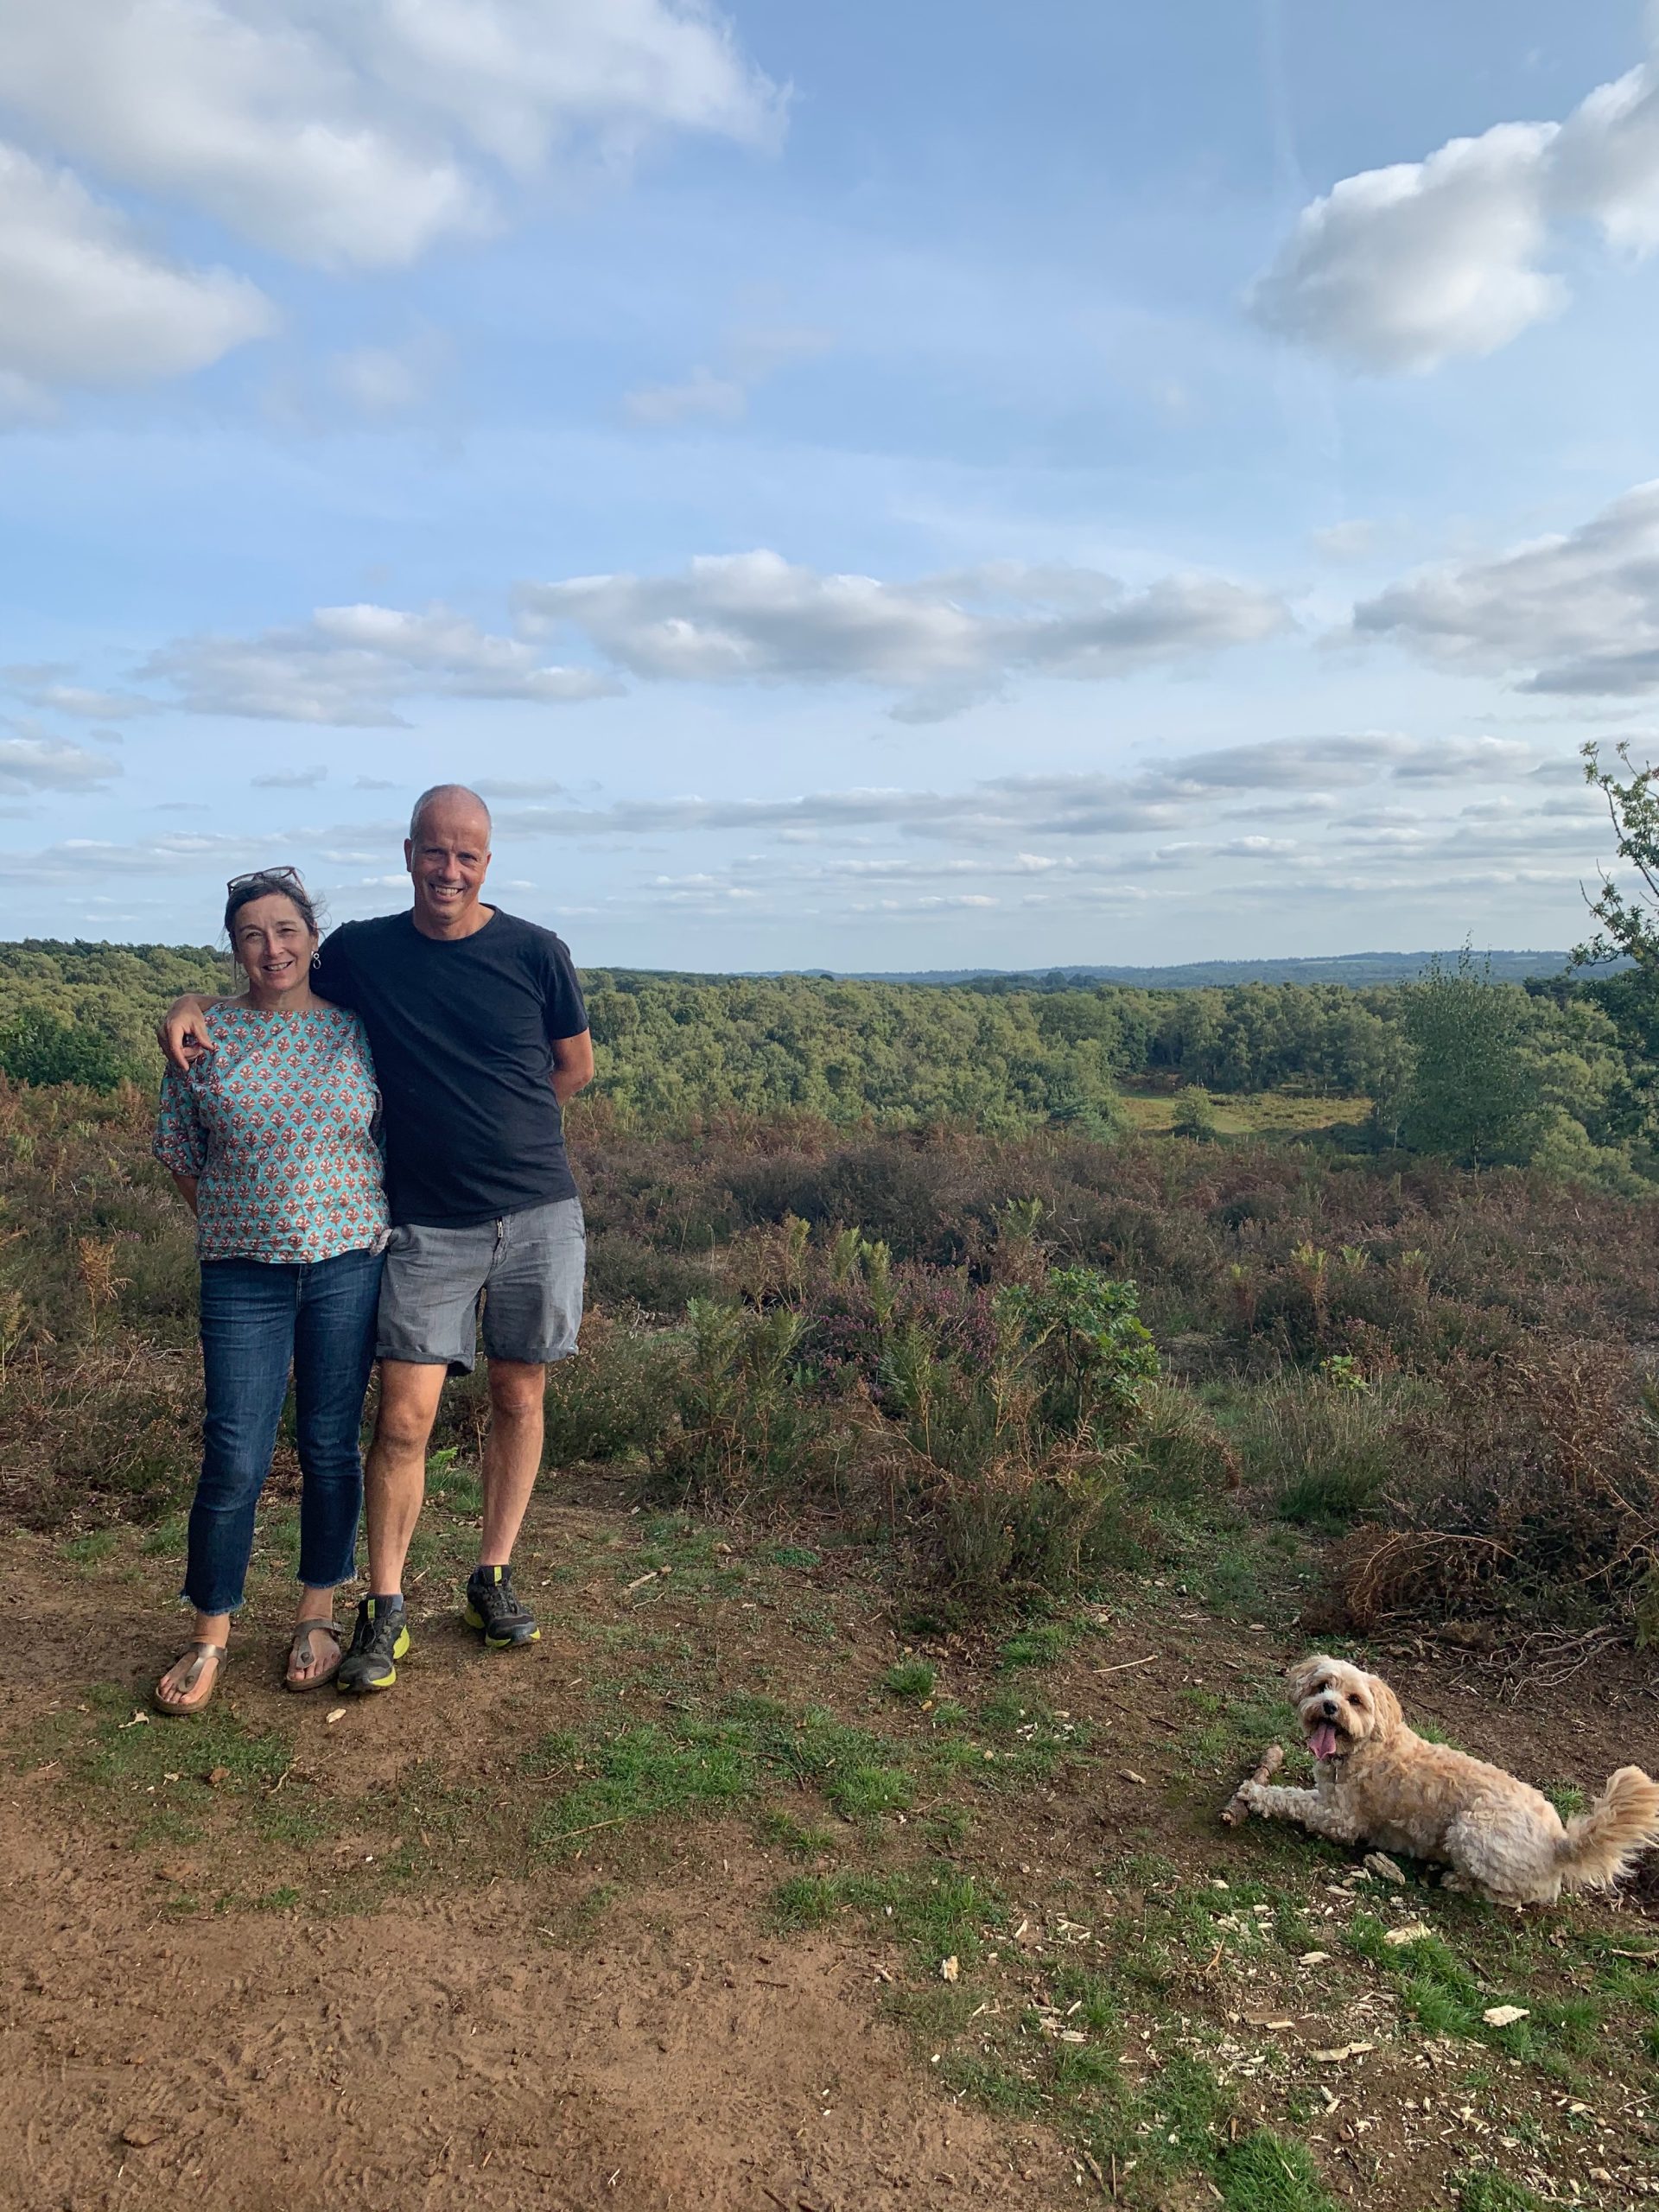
271	1139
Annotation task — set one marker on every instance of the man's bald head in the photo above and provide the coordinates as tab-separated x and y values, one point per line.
448	855
450	799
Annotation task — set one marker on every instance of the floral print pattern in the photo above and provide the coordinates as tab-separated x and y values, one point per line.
279	1125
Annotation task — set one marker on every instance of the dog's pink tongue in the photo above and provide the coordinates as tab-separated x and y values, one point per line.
1323	1742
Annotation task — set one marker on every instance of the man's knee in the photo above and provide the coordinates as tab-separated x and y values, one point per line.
517	1390
409	1406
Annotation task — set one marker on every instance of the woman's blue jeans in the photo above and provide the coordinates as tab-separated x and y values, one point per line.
257	1319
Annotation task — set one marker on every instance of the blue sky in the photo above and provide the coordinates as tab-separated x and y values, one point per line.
867	488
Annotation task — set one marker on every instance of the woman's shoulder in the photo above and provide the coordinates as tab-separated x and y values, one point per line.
341	1022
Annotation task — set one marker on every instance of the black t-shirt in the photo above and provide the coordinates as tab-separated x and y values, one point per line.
463	1032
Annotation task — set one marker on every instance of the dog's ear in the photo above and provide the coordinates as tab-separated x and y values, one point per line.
1301	1677
1385	1705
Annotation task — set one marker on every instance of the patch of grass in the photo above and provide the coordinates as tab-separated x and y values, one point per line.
938	1915
948	1828
1042	1645
452	1486
797	1555
91	1549
1447	1997
994	2085
1566	1796
707	1762
911	1678
1266	2172
165	1536
862	1791
785	1833
1491	2191
641	1774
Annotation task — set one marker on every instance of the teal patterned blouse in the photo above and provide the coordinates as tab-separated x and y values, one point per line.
277	1124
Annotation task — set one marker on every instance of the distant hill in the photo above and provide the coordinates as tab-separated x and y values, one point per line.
1357	969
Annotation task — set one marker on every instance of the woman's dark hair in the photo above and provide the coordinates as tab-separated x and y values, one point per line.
266	883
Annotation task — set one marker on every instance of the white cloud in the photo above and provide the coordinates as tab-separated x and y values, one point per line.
718	399
29	763
750	356
357	132
290	779
1403	268
1345	541
85	703
84	300
941	641
381	380
1012	812
353	665
1577	612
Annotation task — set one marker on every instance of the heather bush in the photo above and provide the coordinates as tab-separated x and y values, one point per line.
1532	1493
616	1397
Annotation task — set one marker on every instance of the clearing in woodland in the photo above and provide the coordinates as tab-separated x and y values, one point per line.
850	1838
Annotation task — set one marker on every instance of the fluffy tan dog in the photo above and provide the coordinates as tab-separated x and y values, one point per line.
1379	1783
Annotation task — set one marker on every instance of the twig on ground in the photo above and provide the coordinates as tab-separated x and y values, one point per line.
1123	1663
1236	1809
570	1834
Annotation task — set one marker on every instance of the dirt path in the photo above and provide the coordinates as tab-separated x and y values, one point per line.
279	1989
445	2054
447	2048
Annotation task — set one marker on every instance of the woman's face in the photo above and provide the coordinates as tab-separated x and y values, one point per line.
269	937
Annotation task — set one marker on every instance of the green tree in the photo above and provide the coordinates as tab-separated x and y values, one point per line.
36	1048
1475	1091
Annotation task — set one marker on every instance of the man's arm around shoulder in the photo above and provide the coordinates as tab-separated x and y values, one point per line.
183	1033
572	1065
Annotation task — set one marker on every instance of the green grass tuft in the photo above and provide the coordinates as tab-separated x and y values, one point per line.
911	1678
1265	2172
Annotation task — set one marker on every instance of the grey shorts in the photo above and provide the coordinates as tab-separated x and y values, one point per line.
522	1272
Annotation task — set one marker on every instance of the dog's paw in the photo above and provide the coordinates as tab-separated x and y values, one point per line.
1252	1794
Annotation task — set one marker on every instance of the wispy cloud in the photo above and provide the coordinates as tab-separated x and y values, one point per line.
939	641
32	763
354	665
1575	613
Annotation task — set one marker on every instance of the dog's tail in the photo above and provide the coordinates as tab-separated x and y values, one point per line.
1600	1845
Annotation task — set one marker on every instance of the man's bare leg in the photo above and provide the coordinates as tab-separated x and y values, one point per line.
513	1455
394	1478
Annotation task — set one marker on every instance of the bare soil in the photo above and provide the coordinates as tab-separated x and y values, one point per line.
295	1988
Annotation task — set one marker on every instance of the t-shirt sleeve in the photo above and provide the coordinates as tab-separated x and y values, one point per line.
563	1012
181	1140
331	977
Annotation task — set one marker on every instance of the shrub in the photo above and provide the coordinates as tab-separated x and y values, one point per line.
36	1048
616	1397
1321	1449
1535	1493
748	1431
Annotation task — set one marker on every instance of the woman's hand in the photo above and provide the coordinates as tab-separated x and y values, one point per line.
183	1032
186	1186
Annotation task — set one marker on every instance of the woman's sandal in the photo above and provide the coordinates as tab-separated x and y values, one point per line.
203	1652
301	1654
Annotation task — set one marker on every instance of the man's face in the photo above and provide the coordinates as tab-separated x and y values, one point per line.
449	860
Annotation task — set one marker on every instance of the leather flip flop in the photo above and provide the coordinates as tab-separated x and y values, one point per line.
300	1652
203	1652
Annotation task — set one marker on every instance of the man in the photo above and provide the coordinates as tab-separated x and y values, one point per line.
480	1038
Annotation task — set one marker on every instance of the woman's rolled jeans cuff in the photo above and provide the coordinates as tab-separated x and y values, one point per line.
259	1319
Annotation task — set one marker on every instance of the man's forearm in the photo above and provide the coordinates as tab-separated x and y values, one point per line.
566	1082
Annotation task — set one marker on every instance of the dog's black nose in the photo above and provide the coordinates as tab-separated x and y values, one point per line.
1330	1708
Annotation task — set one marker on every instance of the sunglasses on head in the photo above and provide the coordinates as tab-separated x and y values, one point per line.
266	875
